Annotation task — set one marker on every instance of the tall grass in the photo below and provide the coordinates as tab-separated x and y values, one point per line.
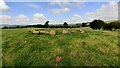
92	48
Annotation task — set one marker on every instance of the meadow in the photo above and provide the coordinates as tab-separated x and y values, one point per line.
91	48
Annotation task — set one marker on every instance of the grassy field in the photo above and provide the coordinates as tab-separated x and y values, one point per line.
93	48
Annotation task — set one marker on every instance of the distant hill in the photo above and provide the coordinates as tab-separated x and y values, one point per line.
111	21
3	25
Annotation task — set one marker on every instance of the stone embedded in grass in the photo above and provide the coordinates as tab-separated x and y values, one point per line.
52	32
82	31
35	32
47	32
42	32
32	30
65	32
39	32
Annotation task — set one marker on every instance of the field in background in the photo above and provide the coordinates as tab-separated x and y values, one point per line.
93	48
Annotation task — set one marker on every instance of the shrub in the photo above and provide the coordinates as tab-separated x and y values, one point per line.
65	25
97	24
46	25
112	25
84	24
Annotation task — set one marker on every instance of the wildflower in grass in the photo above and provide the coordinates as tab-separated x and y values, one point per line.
57	59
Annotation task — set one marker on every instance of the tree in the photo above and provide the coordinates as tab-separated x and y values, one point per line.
5	27
97	24
84	24
115	24
17	26
46	25
112	25
107	26
77	25
65	25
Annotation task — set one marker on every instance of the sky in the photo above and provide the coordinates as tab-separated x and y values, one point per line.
23	13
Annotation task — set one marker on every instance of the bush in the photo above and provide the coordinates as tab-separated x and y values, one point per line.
115	24
107	26
112	25
65	25
97	24
5	27
84	24
46	25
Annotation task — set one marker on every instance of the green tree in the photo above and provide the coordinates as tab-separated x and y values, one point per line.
65	25
97	24
46	24
84	24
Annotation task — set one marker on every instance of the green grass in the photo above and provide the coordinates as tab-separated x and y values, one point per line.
93	48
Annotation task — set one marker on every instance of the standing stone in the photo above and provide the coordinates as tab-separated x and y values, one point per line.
81	30
52	32
32	30
42	32
65	32
47	32
35	32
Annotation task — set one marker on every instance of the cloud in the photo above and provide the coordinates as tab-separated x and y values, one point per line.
53	21
5	19
77	19
105	12
22	19
79	4
76	16
60	0
61	4
3	5
38	18
59	11
67	3
64	6
33	5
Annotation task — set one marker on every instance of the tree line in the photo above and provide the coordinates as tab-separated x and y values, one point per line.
95	24
46	25
100	24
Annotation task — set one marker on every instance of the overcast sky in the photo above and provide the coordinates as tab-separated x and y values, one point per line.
56	12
